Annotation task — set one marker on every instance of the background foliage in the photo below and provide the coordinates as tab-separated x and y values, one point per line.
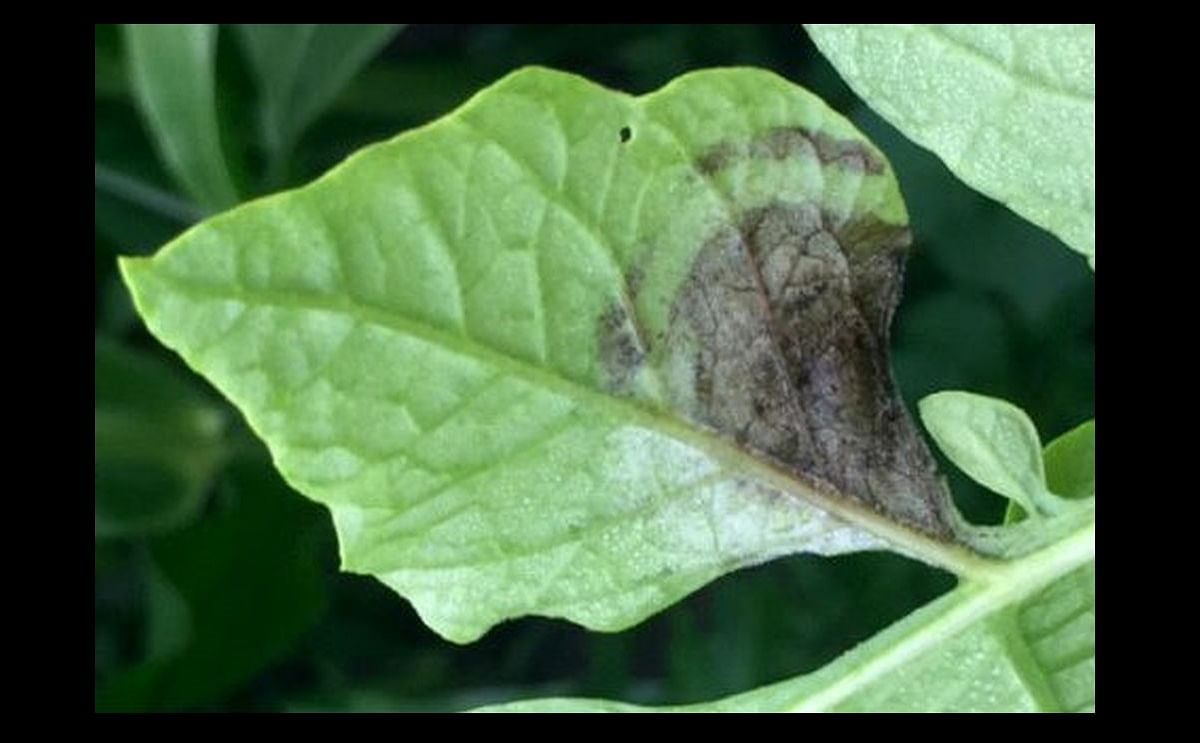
217	587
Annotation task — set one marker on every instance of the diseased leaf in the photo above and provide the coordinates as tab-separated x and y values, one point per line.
172	70
573	353
994	442
1010	108
301	68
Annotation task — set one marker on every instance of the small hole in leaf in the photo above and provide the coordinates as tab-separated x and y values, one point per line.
626	133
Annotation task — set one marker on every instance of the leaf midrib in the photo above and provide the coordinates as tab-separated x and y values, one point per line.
1018	581
949	556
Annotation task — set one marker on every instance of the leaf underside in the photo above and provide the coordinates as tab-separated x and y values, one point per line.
1026	641
1010	108
1038	655
991	440
569	352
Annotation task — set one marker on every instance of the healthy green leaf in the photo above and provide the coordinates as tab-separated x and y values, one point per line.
1061	623
302	67
573	353
172	71
1070	466
1071	462
159	444
994	442
1011	109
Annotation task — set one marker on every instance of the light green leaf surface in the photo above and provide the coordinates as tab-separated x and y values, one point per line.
1070	462
480	345
994	442
1062	621
172	71
1011	109
1023	638
159	444
301	68
1022	641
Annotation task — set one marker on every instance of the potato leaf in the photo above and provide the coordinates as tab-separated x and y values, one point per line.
994	442
573	353
1010	108
1023	643
1020	639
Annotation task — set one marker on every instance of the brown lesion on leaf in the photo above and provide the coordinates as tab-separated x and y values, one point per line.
715	158
785	142
621	349
622	345
633	281
784	321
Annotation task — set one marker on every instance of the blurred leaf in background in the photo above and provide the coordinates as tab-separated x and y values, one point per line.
226	597
241	606
300	69
172	69
159	443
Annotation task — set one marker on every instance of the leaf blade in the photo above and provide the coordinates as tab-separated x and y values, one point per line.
495	438
1010	109
1071	462
991	440
968	651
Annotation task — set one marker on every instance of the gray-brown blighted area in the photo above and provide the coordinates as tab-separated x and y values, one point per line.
785	318
784	142
778	340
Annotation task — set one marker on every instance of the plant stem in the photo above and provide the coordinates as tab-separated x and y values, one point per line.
970	602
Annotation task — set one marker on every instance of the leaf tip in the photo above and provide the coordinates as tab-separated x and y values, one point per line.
128	267
131	269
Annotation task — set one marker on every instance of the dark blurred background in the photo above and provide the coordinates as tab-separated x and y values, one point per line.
217	587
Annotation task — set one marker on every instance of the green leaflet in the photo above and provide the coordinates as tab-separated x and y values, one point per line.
1023	639
172	70
301	68
1010	108
1071	462
523	353
994	442
1061	624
